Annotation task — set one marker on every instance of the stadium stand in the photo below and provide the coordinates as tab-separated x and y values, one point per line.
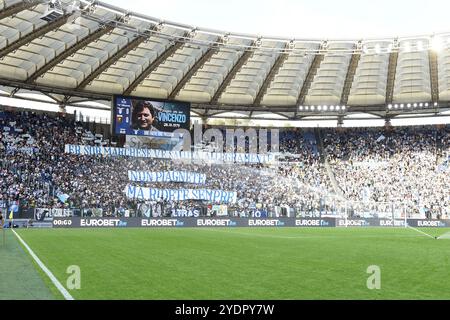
94	50
369	165
76	52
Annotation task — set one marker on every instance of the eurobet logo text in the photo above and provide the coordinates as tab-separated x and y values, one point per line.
265	223
107	223
434	224
311	223
353	223
392	223
215	223
161	223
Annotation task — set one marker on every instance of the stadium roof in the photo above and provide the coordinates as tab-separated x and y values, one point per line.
75	51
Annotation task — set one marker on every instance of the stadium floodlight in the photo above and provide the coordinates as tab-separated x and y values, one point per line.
312	108
402	106
225	38
378	48
193	33
291	45
306	108
426	105
332	108
420	45
389	48
325	108
319	108
421	104
436	44
390	107
408	105
415	105
435	104
407	47
365	50
53	12
300	108
343	108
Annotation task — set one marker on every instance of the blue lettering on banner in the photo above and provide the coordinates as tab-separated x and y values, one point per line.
153	194
161	154
194	193
131	191
133	176
217	195
140	193
167	176
224	197
180	194
228	157
259	214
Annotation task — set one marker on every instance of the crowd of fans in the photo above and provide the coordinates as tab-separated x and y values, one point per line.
35	170
400	166
369	165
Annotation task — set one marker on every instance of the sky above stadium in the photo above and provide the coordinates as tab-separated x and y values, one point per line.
323	19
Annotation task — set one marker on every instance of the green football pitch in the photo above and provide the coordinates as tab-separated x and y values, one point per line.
233	264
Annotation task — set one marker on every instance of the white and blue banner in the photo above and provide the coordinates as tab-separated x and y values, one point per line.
259	214
28	150
215	196
173	155
167	176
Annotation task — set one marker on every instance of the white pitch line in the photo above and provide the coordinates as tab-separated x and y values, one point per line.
55	281
426	234
306	237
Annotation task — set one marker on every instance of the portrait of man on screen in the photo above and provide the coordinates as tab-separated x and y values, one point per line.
144	116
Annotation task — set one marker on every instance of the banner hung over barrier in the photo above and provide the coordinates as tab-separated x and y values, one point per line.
215	196
173	155
167	176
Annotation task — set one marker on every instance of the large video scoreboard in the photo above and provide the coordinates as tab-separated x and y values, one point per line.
148	117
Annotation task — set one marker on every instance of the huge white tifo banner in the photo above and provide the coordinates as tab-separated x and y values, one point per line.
174	155
167	176
216	196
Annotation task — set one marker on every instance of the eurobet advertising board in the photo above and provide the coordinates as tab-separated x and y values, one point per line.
199	222
76	222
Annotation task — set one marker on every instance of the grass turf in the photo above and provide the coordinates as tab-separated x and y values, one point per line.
280	264
20	280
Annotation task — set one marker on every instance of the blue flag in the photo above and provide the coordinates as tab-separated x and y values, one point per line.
63	197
